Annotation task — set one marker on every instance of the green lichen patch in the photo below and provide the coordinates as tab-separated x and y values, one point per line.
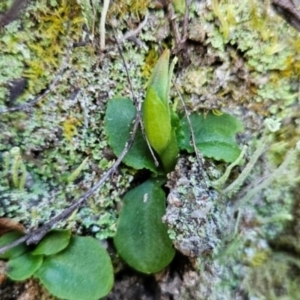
65	129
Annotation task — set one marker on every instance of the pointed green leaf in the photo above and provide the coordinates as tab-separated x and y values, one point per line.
53	242
119	116
214	135
142	239
24	266
157	121
160	77
15	251
82	271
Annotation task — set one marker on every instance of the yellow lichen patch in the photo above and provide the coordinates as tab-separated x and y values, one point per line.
124	7
290	67
55	26
259	258
293	61
70	127
139	7
35	69
150	61
259	20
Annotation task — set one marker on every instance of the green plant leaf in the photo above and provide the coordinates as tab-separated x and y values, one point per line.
157	121
160	78
142	239
15	251
214	135
24	266
53	242
82	271
169	156
119	115
157	117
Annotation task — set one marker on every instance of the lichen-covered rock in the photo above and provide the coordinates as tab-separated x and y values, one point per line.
195	214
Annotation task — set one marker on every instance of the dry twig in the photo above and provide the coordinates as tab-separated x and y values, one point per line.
13	13
179	40
288	10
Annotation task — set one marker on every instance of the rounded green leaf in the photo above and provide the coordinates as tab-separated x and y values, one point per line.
142	239
15	251
53	242
82	271
214	135
24	266
119	116
157	121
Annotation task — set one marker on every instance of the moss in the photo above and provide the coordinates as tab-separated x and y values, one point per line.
38	41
